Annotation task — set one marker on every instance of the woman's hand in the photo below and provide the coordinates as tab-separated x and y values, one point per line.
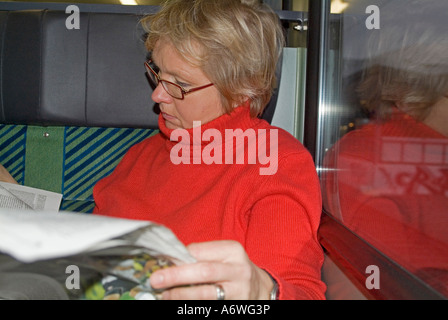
5	176
223	263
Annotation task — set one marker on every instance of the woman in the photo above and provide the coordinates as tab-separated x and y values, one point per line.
243	195
254	235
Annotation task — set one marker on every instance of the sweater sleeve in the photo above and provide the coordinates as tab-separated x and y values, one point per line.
282	228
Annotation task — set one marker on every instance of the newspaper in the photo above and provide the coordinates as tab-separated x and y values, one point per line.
16	196
121	252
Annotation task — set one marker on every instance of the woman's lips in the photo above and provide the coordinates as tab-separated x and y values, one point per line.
167	116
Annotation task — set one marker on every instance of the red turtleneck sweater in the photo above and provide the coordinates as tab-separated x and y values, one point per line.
274	216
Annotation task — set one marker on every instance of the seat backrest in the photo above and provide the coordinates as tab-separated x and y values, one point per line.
91	76
73	101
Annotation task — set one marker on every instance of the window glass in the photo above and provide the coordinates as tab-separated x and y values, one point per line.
384	131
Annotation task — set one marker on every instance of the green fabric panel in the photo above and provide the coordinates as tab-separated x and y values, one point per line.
67	160
44	158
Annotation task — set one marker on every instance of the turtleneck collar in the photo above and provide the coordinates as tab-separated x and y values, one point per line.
239	118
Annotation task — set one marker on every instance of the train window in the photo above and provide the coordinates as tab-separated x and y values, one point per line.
382	138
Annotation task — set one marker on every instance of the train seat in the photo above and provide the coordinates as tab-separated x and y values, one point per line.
73	101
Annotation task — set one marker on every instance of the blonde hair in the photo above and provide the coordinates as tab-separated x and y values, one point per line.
236	43
407	65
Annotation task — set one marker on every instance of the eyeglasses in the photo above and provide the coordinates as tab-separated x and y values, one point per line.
173	89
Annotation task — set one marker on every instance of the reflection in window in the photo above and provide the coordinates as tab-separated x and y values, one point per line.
387	179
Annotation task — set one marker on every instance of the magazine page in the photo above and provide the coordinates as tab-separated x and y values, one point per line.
16	196
123	273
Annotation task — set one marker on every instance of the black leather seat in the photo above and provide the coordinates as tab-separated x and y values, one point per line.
91	76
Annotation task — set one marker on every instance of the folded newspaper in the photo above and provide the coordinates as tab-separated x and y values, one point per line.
118	255
16	196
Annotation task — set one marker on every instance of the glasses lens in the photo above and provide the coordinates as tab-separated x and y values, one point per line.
172	89
152	73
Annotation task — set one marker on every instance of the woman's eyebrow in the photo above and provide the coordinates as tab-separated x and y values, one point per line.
172	73
180	75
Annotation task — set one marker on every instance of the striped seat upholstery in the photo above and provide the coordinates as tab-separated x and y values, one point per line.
68	160
12	150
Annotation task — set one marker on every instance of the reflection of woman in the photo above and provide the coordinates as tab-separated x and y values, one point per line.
214	62
391	179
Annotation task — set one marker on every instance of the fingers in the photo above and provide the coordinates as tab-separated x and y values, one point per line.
219	262
198	273
5	176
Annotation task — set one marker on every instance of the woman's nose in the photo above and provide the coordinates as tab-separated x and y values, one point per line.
160	95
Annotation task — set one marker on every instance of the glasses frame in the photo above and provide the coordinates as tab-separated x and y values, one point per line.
183	91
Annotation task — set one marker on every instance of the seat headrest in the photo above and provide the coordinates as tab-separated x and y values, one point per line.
91	76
